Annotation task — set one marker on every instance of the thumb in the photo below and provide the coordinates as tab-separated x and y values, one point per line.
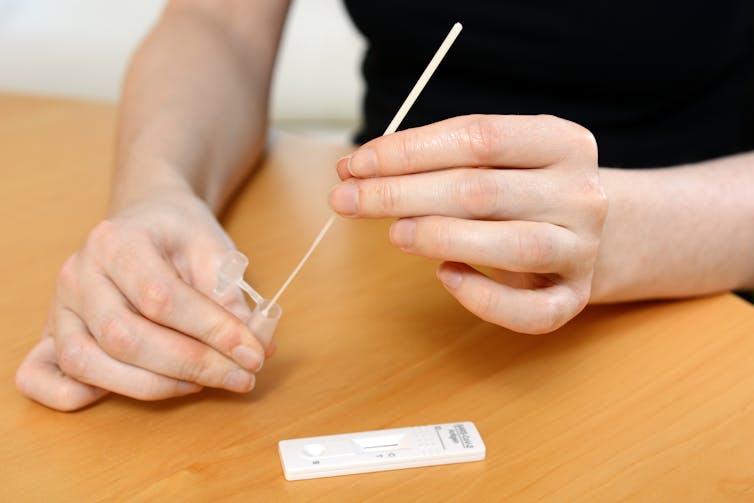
40	379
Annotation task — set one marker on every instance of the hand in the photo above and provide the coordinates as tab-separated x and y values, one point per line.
518	194
134	313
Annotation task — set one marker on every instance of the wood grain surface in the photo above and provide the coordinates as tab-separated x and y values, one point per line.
641	402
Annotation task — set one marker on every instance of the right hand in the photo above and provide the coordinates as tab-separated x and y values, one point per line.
135	313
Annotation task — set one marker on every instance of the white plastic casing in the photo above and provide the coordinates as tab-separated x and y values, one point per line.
373	451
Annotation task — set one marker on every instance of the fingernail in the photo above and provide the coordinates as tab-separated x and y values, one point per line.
248	358
403	231
450	277
239	380
342	167
344	198
363	163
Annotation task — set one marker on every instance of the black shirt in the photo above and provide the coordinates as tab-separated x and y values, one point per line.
659	83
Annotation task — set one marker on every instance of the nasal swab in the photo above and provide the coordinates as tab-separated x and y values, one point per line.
399	116
301	263
266	314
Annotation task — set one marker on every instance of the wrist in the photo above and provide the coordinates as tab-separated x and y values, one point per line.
146	179
621	255
676	232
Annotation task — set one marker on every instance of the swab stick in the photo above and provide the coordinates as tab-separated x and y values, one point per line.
399	116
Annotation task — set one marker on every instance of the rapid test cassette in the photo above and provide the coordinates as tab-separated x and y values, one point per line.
379	450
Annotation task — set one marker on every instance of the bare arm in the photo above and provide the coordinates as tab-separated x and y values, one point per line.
194	108
135	311
677	232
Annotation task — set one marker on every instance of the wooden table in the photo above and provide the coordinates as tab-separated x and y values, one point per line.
644	402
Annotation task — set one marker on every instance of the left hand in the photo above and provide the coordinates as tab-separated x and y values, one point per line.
518	194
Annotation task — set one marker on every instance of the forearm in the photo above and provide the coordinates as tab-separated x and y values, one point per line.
194	106
677	232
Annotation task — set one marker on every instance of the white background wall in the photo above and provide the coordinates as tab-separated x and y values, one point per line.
80	48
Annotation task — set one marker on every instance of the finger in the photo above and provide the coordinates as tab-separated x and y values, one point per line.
232	299
40	379
199	269
341	167
152	286
80	358
479	194
271	349
133	339
520	141
516	246
535	311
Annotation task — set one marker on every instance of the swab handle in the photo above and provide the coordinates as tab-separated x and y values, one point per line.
399	116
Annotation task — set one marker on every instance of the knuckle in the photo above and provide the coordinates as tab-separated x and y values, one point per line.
535	251
23	378
117	339
226	332
73	361
477	194
591	185
580	139
482	136
67	276
102	235
67	398
434	238
238	306
547	319
485	304
151	388
551	316
115	243
558	124
591	201
154	300
445	241
585	142
406	154
599	203
581	297
388	196
195	365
